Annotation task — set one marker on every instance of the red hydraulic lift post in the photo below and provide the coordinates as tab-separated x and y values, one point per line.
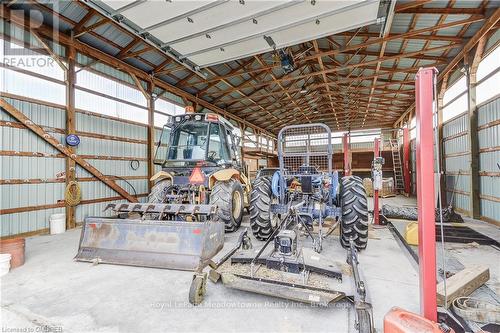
406	159
424	100
347	163
376	153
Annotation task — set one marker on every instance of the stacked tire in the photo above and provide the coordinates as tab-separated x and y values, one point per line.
260	206
354	222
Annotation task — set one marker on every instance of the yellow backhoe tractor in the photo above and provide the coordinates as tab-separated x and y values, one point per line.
200	192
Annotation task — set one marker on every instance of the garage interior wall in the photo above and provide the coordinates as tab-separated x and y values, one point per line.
33	174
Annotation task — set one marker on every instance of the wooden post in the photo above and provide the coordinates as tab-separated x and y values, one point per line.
474	141
151	133
70	79
442	159
471	76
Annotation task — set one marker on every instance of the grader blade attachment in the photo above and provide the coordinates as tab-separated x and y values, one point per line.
172	244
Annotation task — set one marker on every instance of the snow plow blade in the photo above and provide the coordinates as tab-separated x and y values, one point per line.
169	244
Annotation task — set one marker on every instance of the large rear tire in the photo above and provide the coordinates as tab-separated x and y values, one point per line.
228	197
159	191
158	195
260	206
354	222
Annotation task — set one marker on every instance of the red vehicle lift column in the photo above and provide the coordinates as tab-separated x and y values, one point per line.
406	159
347	162
376	153
424	95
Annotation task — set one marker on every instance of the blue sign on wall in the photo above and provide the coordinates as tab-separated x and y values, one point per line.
73	140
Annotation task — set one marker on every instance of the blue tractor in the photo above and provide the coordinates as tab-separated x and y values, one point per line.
305	177
301	199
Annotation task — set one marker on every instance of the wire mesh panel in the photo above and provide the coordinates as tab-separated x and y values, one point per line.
305	149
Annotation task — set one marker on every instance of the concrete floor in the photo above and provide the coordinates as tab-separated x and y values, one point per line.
51	289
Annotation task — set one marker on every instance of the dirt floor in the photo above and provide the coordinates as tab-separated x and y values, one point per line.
54	291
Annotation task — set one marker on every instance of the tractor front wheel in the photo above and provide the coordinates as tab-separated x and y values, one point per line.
354	221
228	197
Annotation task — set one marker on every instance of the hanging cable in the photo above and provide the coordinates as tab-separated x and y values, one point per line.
126	181
440	203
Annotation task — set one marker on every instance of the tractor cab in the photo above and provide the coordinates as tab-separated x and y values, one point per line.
198	139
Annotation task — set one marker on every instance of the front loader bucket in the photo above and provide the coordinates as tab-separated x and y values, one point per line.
150	243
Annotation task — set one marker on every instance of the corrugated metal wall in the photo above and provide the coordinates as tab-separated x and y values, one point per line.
20	167
120	152
489	159
34	160
458	160
456	150
413	166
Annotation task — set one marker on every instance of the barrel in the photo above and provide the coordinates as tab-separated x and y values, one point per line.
14	246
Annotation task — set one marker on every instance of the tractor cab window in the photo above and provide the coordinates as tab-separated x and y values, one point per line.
188	142
217	145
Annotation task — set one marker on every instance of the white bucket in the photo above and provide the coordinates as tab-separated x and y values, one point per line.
57	223
4	263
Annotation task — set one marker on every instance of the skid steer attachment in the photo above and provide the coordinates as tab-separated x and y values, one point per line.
185	237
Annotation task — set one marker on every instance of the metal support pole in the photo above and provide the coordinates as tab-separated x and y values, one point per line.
424	99
376	153
406	159
347	162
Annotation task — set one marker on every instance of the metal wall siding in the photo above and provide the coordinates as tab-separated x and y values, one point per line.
40	114
458	182
413	166
459	201
98	190
489	112
489	138
28	221
99	125
455	164
27	167
456	126
458	163
457	145
24	195
104	69
117	168
24	140
103	147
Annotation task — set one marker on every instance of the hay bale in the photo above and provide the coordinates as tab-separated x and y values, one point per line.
368	185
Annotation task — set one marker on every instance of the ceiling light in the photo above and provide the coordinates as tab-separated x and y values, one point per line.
303	90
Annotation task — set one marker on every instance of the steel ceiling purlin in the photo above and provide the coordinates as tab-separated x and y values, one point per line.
339	86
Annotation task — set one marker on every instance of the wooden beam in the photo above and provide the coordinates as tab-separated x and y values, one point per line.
471	43
96	25
11	110
355	65
462	284
127	48
47	48
443	11
79	26
404	6
489	24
